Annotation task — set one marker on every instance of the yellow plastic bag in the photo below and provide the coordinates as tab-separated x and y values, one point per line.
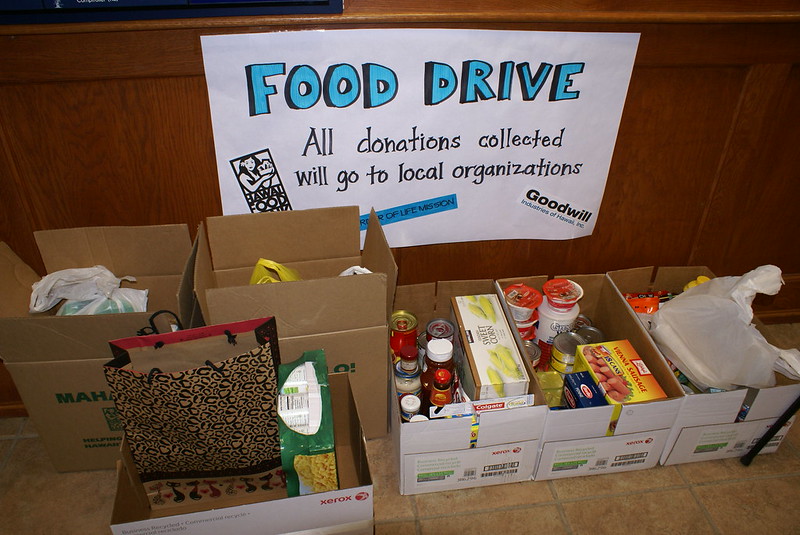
268	271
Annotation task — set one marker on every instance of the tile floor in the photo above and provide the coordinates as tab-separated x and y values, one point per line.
714	497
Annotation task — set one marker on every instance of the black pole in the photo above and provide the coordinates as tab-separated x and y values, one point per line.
747	458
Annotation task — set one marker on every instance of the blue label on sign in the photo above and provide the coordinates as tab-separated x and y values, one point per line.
413	210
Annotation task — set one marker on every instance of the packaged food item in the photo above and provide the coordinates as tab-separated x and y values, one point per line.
489	364
580	391
440	328
305	420
403	325
617	369
562	356
523	301
558	313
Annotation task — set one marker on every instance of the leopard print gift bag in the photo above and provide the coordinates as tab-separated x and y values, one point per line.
199	409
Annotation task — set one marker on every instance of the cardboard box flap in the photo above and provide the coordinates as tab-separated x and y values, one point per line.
378	257
16	278
291	236
136	251
305	307
65	338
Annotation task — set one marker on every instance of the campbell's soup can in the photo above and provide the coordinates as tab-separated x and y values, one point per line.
562	354
440	328
403	325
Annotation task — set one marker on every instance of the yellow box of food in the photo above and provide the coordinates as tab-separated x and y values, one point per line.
619	372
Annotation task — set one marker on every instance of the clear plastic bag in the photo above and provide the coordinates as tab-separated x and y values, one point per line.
707	332
86	289
121	300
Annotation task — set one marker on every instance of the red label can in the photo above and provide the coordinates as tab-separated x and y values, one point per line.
404	331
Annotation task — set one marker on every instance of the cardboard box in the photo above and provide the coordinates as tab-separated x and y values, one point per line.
350	311
487	358
344	511
57	361
707	425
610	438
453	453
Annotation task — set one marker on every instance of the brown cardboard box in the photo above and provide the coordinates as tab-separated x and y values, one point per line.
341	313
56	361
344	511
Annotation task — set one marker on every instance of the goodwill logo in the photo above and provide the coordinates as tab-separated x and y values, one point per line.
556	208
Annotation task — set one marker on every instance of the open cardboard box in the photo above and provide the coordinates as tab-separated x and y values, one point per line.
610	438
345	511
350	312
57	361
437	455
706	427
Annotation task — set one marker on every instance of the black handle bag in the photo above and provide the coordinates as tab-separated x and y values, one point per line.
199	409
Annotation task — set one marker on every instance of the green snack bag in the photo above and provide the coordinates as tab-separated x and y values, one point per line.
306	425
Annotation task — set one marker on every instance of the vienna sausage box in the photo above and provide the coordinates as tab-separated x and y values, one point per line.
610	438
710	425
489	442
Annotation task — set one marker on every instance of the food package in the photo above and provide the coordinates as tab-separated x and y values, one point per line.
306	425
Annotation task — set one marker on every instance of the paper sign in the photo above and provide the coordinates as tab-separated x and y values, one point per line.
450	135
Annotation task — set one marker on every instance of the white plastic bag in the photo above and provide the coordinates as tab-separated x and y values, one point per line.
707	332
121	300
84	284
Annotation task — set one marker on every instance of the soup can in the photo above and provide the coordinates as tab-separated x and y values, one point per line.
440	328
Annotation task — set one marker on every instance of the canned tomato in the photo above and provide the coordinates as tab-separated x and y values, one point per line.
404	331
562	355
440	328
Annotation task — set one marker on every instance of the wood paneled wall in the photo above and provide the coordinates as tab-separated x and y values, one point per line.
108	124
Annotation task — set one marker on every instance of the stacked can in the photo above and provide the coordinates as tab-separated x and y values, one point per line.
524	301
562	354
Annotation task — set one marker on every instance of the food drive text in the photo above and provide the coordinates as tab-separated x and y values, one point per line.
342	85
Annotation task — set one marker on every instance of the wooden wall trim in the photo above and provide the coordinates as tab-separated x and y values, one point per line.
361	12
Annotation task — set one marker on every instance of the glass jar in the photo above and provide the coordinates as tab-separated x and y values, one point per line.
438	355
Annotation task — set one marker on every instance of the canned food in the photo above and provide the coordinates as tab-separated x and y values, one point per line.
440	328
562	355
404	331
582	321
532	351
591	334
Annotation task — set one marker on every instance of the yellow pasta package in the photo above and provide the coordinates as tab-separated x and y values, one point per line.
306	425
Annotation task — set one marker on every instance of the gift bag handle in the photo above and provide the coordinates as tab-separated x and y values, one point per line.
152	329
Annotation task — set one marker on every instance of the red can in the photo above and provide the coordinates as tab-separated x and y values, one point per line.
404	332
440	328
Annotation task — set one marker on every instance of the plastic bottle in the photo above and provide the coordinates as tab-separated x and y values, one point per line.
438	355
557	313
442	390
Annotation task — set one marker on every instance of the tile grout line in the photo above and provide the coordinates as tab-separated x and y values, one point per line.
559	507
